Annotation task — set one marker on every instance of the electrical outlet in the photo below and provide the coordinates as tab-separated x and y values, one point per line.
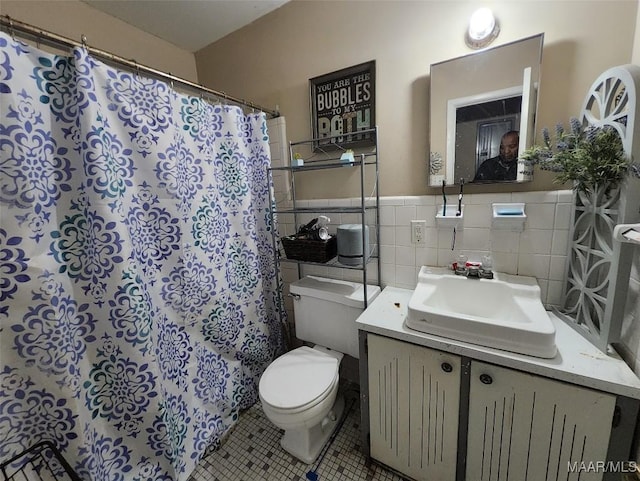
418	232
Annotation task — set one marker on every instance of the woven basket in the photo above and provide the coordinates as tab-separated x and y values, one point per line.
310	250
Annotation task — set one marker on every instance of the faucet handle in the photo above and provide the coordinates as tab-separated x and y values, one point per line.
485	273
486	268
461	265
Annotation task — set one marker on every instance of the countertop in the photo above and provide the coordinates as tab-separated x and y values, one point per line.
577	361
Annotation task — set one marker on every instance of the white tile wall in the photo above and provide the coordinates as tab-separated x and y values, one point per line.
539	250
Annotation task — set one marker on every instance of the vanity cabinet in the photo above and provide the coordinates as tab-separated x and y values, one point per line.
439	409
414	405
523	426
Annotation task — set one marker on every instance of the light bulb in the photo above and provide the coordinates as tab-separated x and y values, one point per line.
481	24
483	29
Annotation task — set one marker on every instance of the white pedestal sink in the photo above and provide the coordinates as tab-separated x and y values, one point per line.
505	312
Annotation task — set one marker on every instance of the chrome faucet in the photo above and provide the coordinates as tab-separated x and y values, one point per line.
480	271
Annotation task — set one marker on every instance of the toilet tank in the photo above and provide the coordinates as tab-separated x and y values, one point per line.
326	311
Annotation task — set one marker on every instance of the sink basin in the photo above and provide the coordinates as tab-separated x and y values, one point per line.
504	312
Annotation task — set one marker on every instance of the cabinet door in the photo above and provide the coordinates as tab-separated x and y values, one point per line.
414	395
524	427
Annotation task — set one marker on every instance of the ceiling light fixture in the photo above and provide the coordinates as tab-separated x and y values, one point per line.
483	29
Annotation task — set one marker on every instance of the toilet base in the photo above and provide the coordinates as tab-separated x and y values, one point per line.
306	444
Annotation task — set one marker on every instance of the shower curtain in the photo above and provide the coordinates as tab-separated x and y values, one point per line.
137	291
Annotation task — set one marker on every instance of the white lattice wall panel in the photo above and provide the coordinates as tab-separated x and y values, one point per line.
599	268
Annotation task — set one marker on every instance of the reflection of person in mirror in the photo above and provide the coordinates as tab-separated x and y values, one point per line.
505	165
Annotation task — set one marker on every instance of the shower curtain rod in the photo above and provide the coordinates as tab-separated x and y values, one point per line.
15	26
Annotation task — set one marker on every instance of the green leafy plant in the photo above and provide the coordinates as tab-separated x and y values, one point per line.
589	157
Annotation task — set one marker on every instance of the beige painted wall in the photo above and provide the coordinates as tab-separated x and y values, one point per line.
73	18
636	42
271	60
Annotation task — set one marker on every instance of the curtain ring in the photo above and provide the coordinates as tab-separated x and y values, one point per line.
11	30
83	39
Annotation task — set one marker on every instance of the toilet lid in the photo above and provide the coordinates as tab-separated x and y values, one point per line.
298	378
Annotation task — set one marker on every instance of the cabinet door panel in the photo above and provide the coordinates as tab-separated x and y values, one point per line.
414	395
534	429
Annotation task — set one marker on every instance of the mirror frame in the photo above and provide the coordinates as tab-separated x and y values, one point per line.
443	169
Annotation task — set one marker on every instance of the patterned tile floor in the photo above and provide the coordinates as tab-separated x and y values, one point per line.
252	452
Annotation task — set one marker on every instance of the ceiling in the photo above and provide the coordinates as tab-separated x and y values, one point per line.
188	24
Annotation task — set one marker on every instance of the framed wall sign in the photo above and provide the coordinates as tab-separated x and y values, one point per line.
343	104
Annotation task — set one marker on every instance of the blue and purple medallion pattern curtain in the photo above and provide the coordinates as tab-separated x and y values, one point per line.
137	289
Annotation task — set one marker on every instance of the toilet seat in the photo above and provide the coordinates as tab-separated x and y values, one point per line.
298	379
305	408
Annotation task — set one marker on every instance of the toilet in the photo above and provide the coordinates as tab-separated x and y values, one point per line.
299	390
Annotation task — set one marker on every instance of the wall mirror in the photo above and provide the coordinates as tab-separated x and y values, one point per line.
477	99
